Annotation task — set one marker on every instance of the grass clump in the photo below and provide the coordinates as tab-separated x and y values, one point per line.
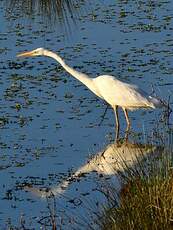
146	197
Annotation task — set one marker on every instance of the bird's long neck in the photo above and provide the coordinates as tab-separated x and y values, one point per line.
84	78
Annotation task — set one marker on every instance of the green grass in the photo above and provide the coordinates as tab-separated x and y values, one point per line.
146	198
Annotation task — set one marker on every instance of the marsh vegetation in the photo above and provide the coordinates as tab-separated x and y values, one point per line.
49	121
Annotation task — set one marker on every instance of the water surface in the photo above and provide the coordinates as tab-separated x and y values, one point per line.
49	121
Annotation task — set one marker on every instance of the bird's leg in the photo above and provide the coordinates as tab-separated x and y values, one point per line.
126	135
128	123
127	118
117	129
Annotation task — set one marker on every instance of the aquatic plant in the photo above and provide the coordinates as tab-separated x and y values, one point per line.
145	200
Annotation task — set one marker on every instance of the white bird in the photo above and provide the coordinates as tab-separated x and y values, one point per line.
113	91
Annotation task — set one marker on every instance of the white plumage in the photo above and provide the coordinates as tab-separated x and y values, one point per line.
113	91
118	93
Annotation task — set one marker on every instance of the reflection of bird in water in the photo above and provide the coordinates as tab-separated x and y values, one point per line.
114	159
114	92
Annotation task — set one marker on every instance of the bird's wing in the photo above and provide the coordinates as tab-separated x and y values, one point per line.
116	92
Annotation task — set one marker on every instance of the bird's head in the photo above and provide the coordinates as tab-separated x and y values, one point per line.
36	52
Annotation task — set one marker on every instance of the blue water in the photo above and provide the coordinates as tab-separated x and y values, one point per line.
56	128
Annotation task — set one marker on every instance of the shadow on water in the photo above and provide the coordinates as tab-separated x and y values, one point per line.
109	167
109	162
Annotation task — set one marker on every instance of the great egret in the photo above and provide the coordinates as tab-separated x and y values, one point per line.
113	91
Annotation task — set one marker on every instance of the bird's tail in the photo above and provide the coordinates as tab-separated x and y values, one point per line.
157	102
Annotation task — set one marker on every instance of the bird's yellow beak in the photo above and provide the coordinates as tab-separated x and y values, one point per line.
26	54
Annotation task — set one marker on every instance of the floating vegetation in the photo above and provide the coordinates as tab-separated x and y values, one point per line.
48	120
3	121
